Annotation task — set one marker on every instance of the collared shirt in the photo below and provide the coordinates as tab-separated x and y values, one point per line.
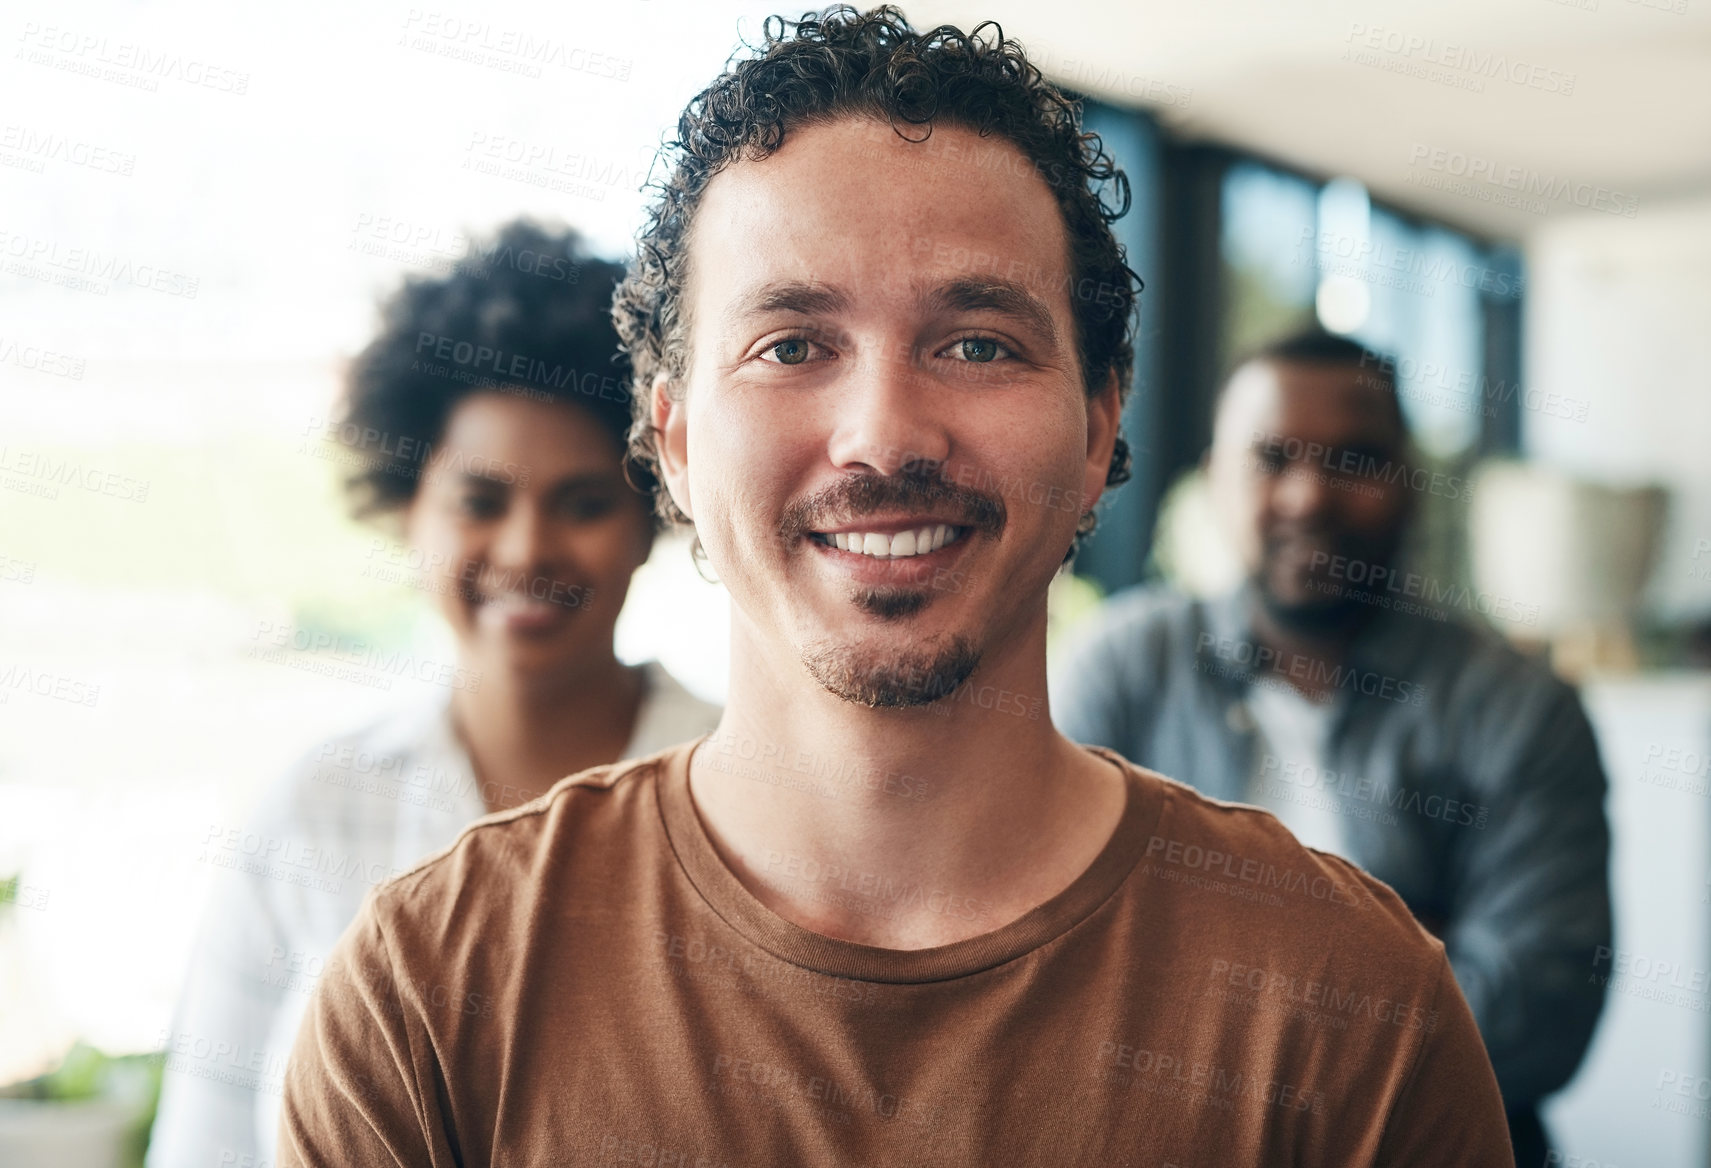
1466	777
355	812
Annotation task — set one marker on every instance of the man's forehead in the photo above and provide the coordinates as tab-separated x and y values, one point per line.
851	202
1308	396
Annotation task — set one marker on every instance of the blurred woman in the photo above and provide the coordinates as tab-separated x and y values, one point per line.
486	426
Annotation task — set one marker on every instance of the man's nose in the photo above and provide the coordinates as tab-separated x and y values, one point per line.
889	414
1302	490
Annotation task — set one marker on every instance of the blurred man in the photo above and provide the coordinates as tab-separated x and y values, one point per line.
1331	691
885	914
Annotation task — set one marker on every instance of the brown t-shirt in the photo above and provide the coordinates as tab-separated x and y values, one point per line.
582	981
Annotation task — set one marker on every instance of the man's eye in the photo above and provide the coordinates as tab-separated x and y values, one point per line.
980	350
794	351
480	506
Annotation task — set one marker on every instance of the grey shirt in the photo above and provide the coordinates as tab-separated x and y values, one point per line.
1466	775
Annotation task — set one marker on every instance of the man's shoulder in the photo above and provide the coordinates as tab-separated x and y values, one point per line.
1480	677
1243	888
502	857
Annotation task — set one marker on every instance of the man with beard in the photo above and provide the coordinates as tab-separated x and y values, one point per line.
1329	690
885	914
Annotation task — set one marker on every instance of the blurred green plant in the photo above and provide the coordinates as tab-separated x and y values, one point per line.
132	1080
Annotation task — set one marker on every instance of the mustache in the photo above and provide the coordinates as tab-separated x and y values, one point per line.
917	487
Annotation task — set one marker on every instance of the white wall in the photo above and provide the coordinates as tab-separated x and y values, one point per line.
1618	314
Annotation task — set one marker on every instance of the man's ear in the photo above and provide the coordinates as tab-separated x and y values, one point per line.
669	414
1104	416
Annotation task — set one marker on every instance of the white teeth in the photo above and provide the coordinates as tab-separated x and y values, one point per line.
516	600
892	547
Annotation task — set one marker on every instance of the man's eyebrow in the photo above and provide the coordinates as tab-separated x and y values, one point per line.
994	296
804	297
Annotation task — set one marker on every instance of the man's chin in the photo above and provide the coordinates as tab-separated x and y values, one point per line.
891	603
1301	608
919	675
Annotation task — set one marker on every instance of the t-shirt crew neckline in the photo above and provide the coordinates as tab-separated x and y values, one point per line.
739	908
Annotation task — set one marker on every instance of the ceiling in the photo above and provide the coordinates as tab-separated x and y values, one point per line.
1548	105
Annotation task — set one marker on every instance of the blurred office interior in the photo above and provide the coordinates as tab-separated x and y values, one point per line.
1513	198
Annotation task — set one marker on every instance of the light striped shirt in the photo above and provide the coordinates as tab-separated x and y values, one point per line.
354	812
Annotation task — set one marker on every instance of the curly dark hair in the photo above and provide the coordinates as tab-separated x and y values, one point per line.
846	63
525	312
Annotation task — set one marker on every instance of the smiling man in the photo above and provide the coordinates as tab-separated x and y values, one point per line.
885	913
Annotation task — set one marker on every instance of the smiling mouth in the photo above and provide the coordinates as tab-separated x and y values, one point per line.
900	545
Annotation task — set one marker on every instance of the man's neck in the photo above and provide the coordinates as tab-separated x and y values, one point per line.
1295	646
524	733
901	828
